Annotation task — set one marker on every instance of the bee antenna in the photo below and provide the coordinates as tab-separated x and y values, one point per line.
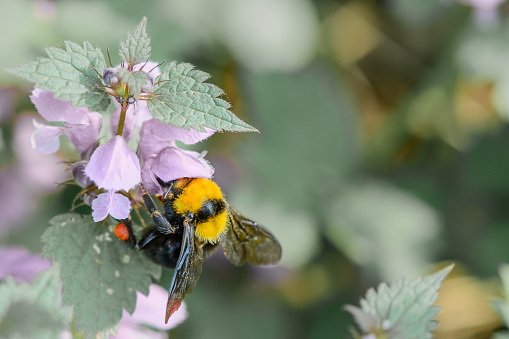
109	58
157	66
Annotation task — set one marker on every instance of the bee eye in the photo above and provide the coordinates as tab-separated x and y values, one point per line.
110	77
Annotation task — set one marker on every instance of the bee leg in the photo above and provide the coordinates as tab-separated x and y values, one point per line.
162	224
132	238
147	238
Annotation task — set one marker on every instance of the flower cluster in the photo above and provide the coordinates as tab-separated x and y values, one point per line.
111	170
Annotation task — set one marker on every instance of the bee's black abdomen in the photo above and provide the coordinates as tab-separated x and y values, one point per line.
163	249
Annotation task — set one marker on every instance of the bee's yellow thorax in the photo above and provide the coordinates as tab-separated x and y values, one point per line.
191	200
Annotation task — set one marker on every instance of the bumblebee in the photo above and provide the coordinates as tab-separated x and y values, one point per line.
196	220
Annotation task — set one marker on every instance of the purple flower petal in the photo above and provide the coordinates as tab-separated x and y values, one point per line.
155	135
173	163
20	264
150	310
53	109
114	166
45	139
85	136
120	206
110	203
100	207
188	137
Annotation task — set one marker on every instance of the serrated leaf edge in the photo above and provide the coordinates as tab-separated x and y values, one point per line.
175	69
369	307
136	35
61	221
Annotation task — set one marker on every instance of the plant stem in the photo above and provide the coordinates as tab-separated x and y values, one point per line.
123	111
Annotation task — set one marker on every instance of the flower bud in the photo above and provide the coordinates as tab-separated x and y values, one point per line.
78	174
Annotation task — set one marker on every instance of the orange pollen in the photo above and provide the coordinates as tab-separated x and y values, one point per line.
121	231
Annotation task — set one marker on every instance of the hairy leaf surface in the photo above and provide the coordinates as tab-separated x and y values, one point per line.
70	75
183	99
100	274
403	310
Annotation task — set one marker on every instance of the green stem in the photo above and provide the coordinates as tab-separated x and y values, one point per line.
121	122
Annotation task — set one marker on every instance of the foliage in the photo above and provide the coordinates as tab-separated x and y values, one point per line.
69	75
31	310
184	100
136	47
402	310
100	275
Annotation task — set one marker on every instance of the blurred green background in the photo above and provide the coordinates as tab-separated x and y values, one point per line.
383	148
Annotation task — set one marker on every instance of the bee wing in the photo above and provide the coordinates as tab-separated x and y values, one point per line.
187	271
245	240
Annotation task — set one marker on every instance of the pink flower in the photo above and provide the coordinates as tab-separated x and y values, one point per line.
173	163
53	109
84	136
150	310
20	264
164	160
117	205
155	135
82	127
46	139
114	167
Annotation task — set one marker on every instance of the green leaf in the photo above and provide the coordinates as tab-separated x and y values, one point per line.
403	310
136	46
100	274
184	100
501	306
134	80
32	310
69	75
